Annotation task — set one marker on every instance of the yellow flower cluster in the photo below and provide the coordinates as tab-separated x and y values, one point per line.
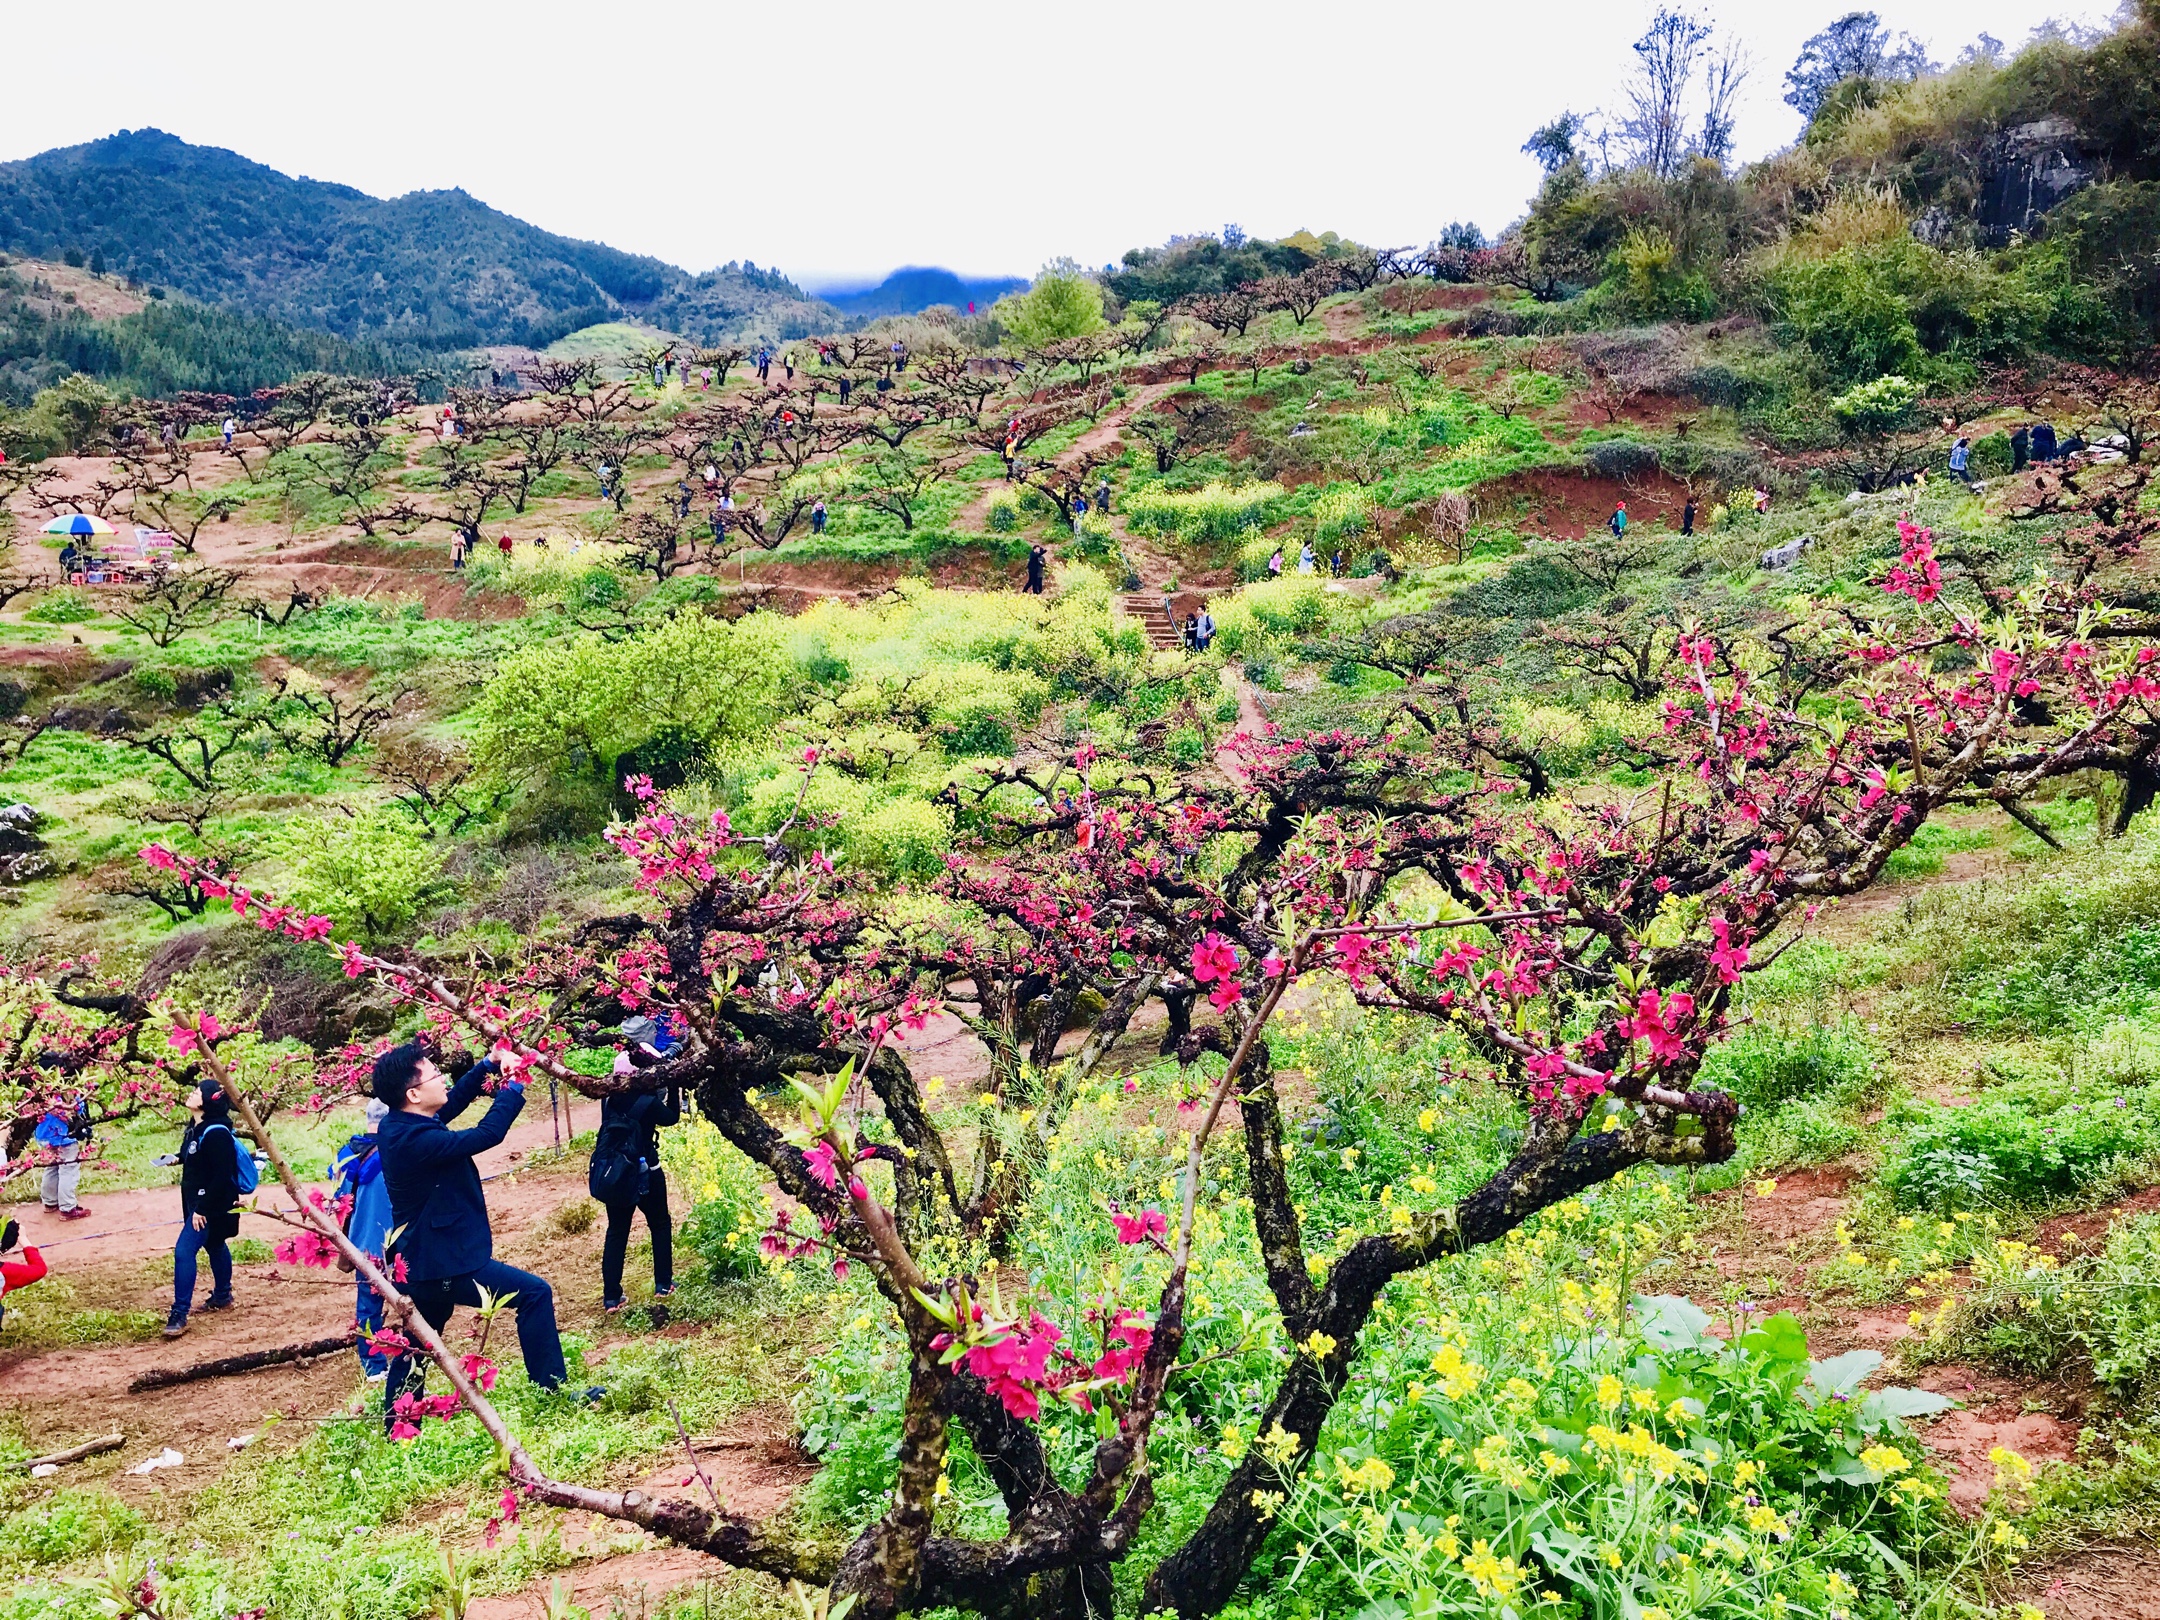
1279	1446
1495	1458
1459	1377
1496	1577
1370	1476
1638	1444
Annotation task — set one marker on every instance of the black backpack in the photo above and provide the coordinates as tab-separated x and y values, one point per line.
617	1175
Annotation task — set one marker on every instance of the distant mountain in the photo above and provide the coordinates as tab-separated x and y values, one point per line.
917	287
434	269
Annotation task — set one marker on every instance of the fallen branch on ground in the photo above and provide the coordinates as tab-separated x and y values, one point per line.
251	1361
89	1448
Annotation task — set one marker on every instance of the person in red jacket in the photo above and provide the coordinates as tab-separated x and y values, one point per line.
16	1270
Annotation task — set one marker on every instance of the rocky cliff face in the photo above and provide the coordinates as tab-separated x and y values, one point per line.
2028	170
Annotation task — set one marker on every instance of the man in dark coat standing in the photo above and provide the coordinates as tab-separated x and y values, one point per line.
1037	556
439	1214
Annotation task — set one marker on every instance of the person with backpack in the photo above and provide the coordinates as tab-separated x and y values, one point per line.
216	1172
625	1178
16	1271
1618	521
440	1213
356	1172
64	1131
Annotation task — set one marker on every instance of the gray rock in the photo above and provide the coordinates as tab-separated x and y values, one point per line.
2025	171
1785	556
23	856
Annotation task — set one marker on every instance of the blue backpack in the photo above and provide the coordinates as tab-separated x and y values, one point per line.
245	1174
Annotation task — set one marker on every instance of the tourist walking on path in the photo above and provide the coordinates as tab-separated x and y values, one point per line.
1037	556
1961	459
214	1171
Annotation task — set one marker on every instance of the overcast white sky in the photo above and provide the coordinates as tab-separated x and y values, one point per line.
842	139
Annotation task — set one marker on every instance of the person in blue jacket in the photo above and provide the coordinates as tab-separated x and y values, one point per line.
440	1214
357	1174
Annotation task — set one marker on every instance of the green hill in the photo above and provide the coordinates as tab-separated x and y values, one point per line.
433	269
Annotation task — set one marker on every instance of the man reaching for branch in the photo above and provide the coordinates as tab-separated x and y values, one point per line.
439	1216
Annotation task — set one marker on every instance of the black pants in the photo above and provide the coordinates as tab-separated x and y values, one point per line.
653	1201
538	1340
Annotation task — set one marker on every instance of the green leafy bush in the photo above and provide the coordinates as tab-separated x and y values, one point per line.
2035	1313
1871	409
2016	1143
1765	1066
75	1523
66	605
370	873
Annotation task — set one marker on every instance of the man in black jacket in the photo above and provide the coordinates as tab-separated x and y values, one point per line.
439	1214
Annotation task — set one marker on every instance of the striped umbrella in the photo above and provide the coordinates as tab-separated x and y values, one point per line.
78	523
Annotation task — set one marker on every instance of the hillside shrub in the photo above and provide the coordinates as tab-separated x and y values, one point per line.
1623	459
1094	540
1991	455
1213	512
575	704
1340	515
1646	280
1002	514
1854	324
1765	1066
1871	409
2024	1142
369	873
